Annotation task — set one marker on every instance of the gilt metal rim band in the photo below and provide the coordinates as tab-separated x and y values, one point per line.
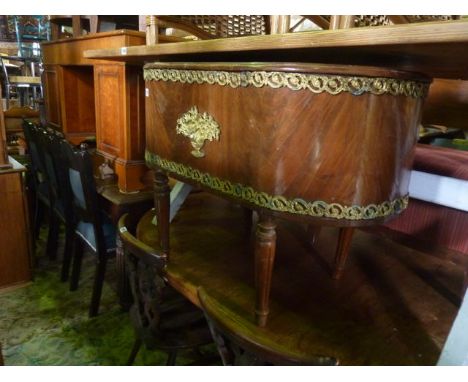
316	83
318	208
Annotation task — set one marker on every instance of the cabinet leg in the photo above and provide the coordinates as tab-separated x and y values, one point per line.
342	251
265	245
162	206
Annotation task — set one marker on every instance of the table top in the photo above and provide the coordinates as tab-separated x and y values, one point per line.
394	305
437	49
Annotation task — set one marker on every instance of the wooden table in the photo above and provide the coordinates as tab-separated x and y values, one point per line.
437	49
394	306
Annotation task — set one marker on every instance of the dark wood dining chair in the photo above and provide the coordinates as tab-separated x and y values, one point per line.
39	184
242	343
60	193
93	228
162	318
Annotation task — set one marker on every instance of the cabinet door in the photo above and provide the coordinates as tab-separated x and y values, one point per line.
111	109
52	95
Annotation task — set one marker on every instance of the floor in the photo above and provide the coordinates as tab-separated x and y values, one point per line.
44	323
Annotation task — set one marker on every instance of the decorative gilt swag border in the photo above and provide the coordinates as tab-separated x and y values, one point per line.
280	203
316	83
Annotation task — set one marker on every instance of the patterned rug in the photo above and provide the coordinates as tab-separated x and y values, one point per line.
44	323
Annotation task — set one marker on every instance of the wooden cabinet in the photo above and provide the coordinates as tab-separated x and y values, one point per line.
120	124
99	98
15	244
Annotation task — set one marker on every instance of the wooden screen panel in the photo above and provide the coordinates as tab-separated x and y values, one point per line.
110	109
52	95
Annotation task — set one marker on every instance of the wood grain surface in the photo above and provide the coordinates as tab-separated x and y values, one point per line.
393	306
438	49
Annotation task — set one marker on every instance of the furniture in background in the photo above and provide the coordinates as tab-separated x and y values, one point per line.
21	83
14	117
4	162
162	318
99	98
241	344
86	24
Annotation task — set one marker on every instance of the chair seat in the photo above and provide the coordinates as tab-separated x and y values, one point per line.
86	231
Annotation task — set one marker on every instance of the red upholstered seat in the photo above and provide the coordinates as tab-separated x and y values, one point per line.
441	161
430	222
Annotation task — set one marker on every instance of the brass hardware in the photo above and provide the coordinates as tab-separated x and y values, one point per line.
316	83
198	128
279	203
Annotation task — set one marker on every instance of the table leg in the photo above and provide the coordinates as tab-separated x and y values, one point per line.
342	251
162	207
265	245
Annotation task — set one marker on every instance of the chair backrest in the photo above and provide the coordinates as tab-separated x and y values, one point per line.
146	268
37	168
84	197
242	343
55	166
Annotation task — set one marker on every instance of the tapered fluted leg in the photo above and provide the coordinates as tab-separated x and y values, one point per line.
342	251
162	206
265	245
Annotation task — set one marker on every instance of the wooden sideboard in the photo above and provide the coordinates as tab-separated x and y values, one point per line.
99	98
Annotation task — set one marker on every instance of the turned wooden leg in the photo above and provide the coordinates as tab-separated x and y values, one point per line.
342	250
313	232
162	206
265	245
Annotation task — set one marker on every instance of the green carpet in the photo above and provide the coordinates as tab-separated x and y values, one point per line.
45	324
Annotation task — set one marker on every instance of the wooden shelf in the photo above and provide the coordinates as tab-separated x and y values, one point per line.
437	49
